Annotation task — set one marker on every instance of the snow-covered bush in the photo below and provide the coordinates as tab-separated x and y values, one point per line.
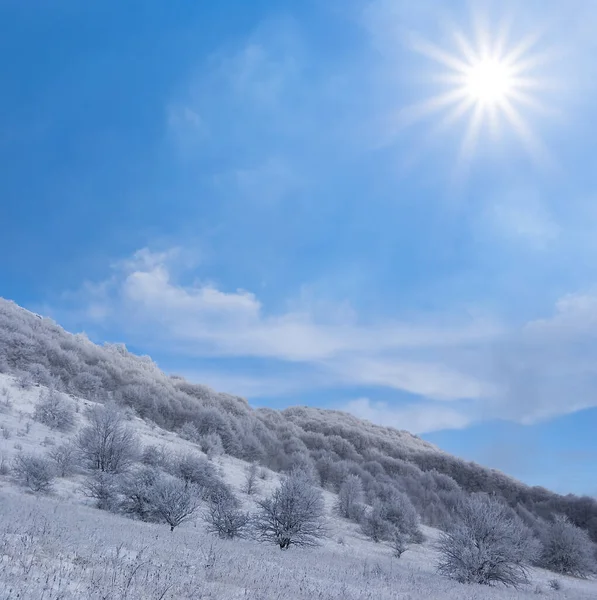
108	444
103	488
567	549
249	486
154	456
193	468
55	411
135	490
34	472
174	501
398	544
292	515
211	444
350	498
224	517
65	457
488	544
375	524
400	512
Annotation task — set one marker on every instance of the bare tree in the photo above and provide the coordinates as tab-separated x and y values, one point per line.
350	498
489	544
33	471
174	501
102	487
108	444
567	549
250	484
55	411
293	515
65	459
224	518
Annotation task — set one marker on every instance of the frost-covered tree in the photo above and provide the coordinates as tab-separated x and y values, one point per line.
65	457
249	486
174	501
103	488
211	444
375	524
55	411
34	472
567	549
401	513
135	489
350	498
108	444
488	544
224	517
292	515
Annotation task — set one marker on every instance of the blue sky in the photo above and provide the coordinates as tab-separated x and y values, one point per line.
278	199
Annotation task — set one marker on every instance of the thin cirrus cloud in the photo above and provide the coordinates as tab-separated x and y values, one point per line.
144	300
540	370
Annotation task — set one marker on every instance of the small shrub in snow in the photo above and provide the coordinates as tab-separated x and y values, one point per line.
555	584
398	544
102	487
173	500
55	411
292	515
567	549
189	432
193	468
34	472
211	444
489	544
65	459
4	466
6	432
25	382
108	444
153	456
350	498
5	400
249	486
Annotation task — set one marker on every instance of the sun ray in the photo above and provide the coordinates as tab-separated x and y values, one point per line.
488	81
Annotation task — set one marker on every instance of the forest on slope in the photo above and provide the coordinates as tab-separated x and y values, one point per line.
329	445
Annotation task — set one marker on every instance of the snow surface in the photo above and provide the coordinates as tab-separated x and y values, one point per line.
59	547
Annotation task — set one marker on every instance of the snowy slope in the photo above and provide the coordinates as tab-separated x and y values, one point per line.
60	547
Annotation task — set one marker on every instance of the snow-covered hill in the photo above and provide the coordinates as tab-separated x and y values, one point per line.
59	546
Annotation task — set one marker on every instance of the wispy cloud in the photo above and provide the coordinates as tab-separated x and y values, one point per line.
423	417
541	370
146	302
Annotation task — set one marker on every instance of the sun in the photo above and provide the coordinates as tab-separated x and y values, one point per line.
487	81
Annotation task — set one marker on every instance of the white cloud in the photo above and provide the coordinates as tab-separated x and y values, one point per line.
546	368
422	417
148	305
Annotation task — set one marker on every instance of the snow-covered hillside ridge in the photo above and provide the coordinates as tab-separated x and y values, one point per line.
328	443
58	544
96	427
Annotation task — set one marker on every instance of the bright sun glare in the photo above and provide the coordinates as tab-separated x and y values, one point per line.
489	82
